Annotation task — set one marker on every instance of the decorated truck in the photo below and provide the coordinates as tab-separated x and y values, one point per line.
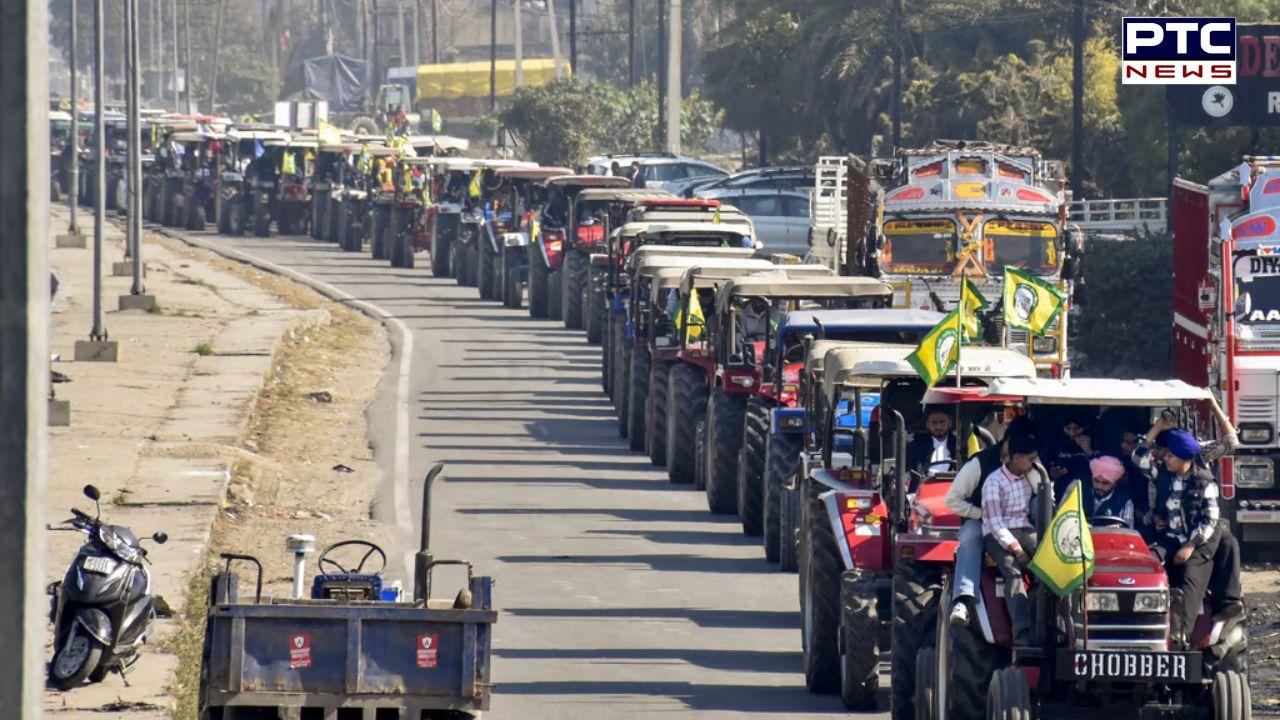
930	217
1226	326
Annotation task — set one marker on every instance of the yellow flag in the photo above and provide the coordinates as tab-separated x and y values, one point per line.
694	320
474	188
288	164
329	135
971	302
939	350
1064	559
1030	303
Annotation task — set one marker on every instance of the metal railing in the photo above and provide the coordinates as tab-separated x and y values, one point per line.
1121	214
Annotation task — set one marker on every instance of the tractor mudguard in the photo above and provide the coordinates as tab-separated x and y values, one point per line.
993	614
858	520
786	421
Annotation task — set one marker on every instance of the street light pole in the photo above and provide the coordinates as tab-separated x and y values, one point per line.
1077	101
130	39
675	25
99	331
897	76
186	54
631	43
73	199
135	151
573	37
493	55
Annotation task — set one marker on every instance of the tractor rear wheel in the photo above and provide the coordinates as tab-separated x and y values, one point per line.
615	361
755	435
439	255
781	460
606	352
700	455
1009	697
927	684
262	221
820	610
623	380
555	295
1231	696
537	287
471	260
686	407
789	520
973	663
239	218
724	439
595	312
574	276
224	218
512	294
486	281
285	224
917	589
638	403
167	206
859	641
656	431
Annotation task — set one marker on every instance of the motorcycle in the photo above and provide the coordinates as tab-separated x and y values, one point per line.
102	610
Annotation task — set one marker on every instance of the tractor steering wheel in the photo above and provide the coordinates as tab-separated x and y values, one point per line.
358	569
1106	521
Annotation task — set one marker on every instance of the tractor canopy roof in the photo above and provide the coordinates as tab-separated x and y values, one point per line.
805	286
802	322
646	253
195	137
1097	391
709	272
621	194
819	349
444	142
735	229
871	363
653	263
531	173
263	135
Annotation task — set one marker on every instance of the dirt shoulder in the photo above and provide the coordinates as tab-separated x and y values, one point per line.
234	418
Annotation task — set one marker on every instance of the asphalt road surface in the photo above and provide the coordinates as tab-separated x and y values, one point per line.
620	595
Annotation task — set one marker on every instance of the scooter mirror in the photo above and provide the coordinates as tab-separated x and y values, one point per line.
160	538
92	493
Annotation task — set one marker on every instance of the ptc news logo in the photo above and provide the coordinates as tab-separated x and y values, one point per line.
1178	51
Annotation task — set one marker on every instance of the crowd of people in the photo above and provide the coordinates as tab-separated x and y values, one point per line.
1159	482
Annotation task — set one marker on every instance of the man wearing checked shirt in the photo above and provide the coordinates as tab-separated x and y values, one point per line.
1008	535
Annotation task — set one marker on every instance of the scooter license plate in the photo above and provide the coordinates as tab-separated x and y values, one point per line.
99	564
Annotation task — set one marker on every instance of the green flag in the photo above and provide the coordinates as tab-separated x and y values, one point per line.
1030	303
939	350
971	303
1064	559
437	122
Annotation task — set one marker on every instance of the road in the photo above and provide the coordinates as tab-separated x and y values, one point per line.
620	595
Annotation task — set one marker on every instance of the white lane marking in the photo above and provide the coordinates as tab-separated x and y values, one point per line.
400	485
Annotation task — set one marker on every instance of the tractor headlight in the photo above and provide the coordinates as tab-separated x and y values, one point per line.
1256	433
1151	601
1254	474
1103	601
791	422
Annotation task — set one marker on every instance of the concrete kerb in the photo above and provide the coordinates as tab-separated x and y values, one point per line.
402	351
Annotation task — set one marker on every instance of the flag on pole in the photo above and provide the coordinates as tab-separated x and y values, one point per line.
691	321
939	350
1030	303
474	188
437	122
972	303
1064	560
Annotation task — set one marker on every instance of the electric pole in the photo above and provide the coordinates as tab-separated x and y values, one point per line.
435	32
186	54
493	55
897	75
631	43
73	197
98	332
659	139
573	36
1077	101
675	25
519	44
217	45
173	47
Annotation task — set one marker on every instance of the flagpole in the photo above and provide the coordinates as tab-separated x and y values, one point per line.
1084	568
959	342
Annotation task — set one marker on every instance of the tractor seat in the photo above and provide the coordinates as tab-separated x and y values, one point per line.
346	588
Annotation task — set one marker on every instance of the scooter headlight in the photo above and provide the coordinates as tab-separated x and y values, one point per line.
118	546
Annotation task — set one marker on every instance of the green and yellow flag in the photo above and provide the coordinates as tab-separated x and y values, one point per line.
437	122
474	188
939	350
1064	560
971	303
691	321
1030	303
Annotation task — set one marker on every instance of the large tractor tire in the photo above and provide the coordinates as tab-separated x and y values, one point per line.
224	218
595	311
974	661
167	206
1009	698
789	519
616	340
458	262
487	280
781	463
285	224
638	403
195	216
755	435
859	641
1231	697
378	246
537	287
686	407
364	125
439	258
239	218
656	415
471	260
820	611
512	293
606	352
724	440
624	387
917	590
262	221
700	455
573	282
555	295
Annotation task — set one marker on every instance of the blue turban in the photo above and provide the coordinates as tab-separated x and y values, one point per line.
1182	444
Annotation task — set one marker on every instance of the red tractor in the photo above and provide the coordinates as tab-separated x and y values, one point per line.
559	257
858	586
1106	644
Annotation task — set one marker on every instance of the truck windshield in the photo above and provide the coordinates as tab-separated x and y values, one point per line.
1257	287
925	247
1026	245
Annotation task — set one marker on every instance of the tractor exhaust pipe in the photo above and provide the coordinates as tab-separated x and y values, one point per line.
422	559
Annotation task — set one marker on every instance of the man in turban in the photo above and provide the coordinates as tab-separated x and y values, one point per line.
1107	499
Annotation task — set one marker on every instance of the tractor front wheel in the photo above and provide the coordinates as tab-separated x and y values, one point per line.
656	415
755	435
859	641
573	281
639	400
537	287
487	280
1009	697
724	439
820	609
917	590
686	408
781	461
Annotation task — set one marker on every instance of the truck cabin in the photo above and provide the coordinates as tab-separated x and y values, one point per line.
747	311
668	305
787	352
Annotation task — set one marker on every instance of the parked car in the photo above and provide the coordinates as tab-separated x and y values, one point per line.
790	177
781	217
669	172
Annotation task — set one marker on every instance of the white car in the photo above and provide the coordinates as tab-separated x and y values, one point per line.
782	217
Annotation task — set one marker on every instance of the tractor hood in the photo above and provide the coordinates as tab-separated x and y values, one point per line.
1122	561
930	506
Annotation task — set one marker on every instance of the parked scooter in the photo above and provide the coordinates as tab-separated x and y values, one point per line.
102	610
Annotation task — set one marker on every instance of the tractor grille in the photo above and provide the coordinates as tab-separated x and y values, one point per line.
1125	629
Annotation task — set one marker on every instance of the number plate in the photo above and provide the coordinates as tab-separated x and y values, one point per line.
1129	666
99	564
1258	516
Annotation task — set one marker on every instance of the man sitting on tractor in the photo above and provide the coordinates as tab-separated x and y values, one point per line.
932	452
1193	531
1108	498
1008	536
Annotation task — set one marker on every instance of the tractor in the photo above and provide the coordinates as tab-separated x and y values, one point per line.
504	259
